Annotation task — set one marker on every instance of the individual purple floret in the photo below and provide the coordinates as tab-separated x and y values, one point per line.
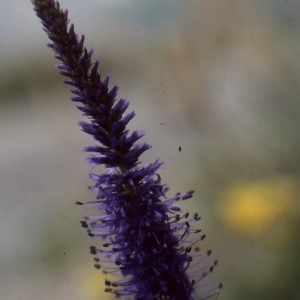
146	238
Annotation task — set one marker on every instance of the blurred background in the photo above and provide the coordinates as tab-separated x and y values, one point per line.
220	79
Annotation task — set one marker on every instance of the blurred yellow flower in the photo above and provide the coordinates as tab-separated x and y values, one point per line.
260	209
92	282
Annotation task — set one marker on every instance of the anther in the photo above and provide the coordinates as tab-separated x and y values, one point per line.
90	234
93	250
84	224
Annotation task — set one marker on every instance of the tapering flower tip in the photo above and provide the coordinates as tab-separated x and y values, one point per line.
148	242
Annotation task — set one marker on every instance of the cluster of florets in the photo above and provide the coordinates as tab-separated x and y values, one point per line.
146	239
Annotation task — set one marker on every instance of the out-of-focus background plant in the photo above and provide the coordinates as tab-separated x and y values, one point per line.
220	79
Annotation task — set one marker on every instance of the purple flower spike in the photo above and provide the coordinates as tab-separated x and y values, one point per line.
147	239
